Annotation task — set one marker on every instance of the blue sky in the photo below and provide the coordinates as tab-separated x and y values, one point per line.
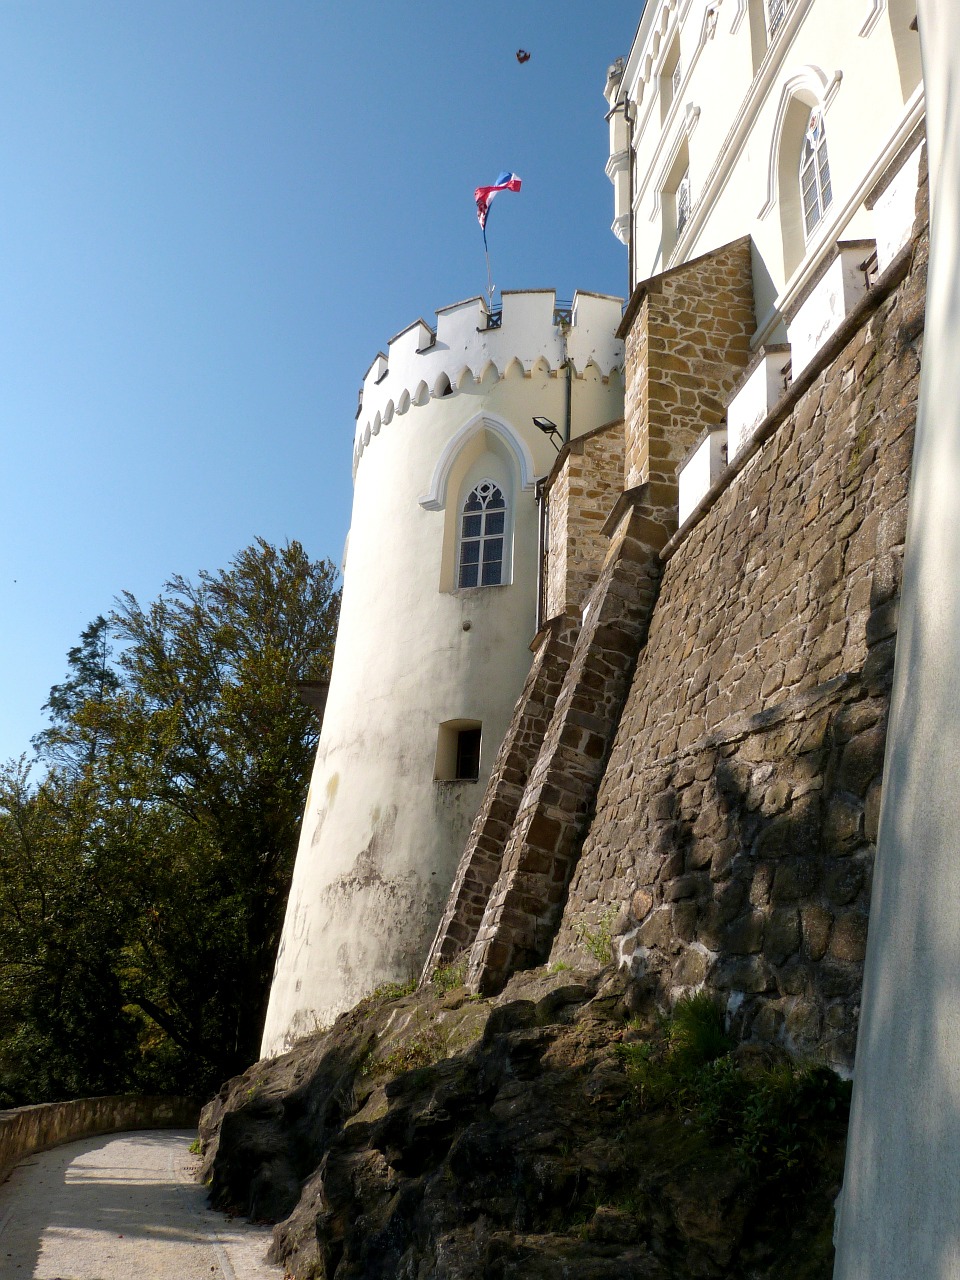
212	216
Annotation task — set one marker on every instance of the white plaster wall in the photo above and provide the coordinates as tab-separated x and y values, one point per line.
380	838
895	211
463	350
727	115
902	1175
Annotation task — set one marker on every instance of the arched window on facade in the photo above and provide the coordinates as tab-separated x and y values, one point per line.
482	528
815	192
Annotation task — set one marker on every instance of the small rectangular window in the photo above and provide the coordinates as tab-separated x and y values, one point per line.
458	751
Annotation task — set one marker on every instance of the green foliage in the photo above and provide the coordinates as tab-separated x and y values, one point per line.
74	740
145	859
427	1044
447	977
390	991
598	942
422	1050
696	1032
773	1114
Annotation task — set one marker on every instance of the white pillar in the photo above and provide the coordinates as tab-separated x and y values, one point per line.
900	1214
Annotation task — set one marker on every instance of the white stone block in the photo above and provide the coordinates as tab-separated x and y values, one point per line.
700	470
835	294
755	398
895	210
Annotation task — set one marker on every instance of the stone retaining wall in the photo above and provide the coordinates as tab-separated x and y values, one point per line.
734	835
24	1130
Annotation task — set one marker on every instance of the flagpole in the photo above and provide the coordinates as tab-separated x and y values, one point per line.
486	254
483	196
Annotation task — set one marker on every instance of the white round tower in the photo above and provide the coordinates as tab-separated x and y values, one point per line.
439	608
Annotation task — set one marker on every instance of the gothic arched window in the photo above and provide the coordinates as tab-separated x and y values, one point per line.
815	192
482	528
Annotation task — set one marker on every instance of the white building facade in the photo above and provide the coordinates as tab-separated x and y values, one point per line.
796	122
785	119
439	609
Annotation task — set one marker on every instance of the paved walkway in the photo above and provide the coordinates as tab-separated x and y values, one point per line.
122	1207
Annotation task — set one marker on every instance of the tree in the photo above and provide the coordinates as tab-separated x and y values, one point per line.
63	1030
92	680
176	777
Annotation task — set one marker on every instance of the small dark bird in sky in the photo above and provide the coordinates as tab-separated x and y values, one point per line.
522	55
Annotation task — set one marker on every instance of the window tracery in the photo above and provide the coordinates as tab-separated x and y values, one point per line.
482	529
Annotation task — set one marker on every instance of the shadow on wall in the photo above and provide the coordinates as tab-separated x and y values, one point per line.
754	875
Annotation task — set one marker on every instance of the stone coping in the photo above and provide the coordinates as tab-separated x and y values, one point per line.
25	1130
894	275
625	502
568	447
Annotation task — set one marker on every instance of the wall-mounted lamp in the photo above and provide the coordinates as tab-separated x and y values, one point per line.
549	429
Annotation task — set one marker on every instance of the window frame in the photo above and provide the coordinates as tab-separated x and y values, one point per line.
479	517
813	173
670	78
459	745
684	201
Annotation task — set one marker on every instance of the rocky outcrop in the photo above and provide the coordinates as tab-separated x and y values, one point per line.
436	1136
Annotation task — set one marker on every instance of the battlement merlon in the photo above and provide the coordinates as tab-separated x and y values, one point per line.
421	363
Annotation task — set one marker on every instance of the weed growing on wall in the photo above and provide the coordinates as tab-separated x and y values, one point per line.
447	977
771	1111
427	1044
598	941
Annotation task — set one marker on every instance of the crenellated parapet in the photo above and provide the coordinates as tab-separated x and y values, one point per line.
471	346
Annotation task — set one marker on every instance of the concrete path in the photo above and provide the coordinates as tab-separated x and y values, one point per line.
122	1207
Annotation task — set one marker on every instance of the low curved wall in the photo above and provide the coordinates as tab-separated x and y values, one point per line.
24	1130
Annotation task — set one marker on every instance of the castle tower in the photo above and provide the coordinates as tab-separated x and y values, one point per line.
439	609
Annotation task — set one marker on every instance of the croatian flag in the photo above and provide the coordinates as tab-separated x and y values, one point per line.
484	195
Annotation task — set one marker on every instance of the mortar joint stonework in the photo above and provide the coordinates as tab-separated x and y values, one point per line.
480	862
